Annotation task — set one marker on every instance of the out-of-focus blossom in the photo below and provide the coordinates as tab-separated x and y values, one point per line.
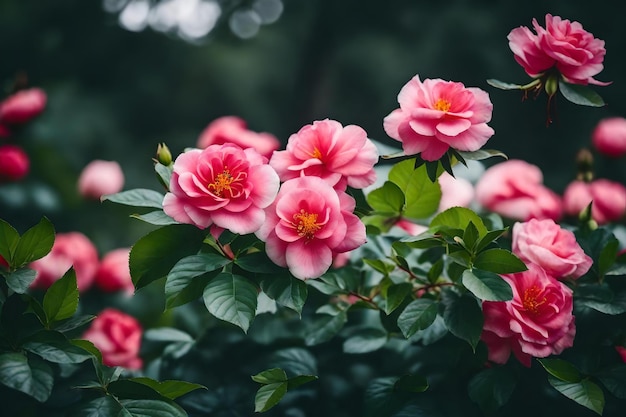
413	229
339	155
609	199
113	273
99	178
609	136
4	131
222	185
436	115
515	189
22	106
455	192
232	129
69	249
118	336
14	163
621	350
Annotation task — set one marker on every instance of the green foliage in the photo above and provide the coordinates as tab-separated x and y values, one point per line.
275	384
580	94
231	298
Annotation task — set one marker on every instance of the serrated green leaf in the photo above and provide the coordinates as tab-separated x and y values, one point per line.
396	294
418	315
486	285
269	395
585	393
61	299
9	238
152	408
422	196
463	317
580	94
20	279
170	389
139	197
365	340
388	199
35	243
32	376
158	218
561	369
270	376
286	291
231	298
325	328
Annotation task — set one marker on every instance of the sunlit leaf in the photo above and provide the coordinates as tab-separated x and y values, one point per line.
35	243
269	395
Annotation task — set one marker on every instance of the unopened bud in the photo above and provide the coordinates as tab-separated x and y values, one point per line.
586	219
163	154
584	165
551	85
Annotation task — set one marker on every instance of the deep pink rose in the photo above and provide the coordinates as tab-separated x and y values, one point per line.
308	224
69	249
113	273
22	106
537	322
609	199
455	192
545	243
14	163
118	336
232	129
621	350
99	178
326	149
609	136
515	189
436	115
222	185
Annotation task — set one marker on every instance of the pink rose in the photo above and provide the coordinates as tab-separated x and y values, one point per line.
545	243
455	192
537	322
118	336
437	115
232	129
515	189
326	149
113	273
621	350
308	224
69	249
222	185
609	199
22	106
14	163
99	178
609	136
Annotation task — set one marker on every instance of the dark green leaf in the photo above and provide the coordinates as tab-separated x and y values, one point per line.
9	238
133	390
411	383
365	340
486	285
286	291
158	218
269	395
61	299
325	328
20	279
500	261
502	85
382	399
231	298
295	361
89	347
608	256
388	199
138	197
54	347
35	243
72	323
270	376
418	315
152	408
100	407
580	94
169	389
561	369
470	236
435	271
300	380
614	379
491	388
257	262
396	294
463	317
585	393
491	236
32	376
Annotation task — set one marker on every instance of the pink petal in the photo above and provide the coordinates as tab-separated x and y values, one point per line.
308	259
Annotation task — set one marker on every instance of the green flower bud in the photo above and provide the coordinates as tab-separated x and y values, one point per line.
163	154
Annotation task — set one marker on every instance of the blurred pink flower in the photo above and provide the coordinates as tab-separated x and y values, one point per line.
411	228
436	115
515	189
455	192
99	178
545	243
14	163
232	129
222	185
22	106
4	131
118	336
113	273
622	352
69	249
308	224
537	322
609	136
609	199
339	155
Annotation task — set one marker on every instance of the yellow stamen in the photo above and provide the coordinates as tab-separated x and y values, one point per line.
442	105
306	224
316	153
531	302
221	182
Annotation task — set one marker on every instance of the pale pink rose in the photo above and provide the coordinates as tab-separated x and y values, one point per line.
621	350
537	322
545	243
326	149
609	199
308	224
222	185
411	228
232	129
455	192
436	115
14	163
113	273
515	189
609	136
22	106
69	249
99	178
118	336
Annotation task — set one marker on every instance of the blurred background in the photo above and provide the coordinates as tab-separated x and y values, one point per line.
123	75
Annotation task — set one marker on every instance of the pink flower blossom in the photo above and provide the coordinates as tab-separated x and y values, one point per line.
515	189
14	163
232	129
99	178
222	185
413	229
22	106
118	336
455	192
609	136
609	199
575	52
69	249
621	350
308	224
436	115
537	322
326	149
545	243
113	273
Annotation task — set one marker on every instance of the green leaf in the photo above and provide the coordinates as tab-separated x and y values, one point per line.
231	298
421	195
396	294
502	85
325	328
89	347
167	334
139	197
269	395
133	390
457	218
608	255
286	291
300	380
257	262
100	407
382	399
387	199
411	383
9	238
580	94
423	241
486	285
463	317
20	279
561	369
614	380
470	236
491	236
482	154
154	255
170	389
418	315
158	218
491	388
295	361
600	297
72	323
152	408
499	261
365	340
61	299
54	347
585	393
164	172
334	283
35	243
270	376
32	376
